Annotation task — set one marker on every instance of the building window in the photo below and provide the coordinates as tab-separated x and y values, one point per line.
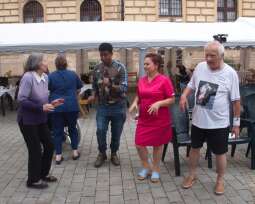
227	10
170	7
33	12
90	11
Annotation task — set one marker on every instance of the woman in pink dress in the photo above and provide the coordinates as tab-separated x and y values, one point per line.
154	96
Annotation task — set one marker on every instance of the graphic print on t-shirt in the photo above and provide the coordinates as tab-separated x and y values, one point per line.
206	94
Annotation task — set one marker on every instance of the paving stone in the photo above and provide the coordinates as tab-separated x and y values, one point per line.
246	195
116	199
102	196
132	202
116	190
158	193
80	182
145	198
143	188
87	200
130	194
174	196
89	191
201	193
161	201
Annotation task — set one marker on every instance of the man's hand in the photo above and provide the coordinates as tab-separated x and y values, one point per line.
183	103
106	81
91	99
48	107
236	131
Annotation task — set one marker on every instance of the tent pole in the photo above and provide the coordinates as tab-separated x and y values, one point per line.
142	52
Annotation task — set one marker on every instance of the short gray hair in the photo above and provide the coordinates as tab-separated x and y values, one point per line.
220	47
33	62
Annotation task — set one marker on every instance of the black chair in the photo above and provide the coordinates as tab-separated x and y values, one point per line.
4	81
245	91
249	123
181	136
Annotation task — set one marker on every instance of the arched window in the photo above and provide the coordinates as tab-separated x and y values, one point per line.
33	12
170	7
227	10
90	11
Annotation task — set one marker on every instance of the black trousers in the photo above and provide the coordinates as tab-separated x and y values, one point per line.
40	150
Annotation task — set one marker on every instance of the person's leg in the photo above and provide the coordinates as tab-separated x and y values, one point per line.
157	154
197	140
48	149
193	161
218	142
117	123
102	121
31	137
221	165
143	155
71	119
58	132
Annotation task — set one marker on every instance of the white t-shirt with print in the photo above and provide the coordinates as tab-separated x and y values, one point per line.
213	92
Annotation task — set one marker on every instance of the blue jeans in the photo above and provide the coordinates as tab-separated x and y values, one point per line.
59	120
116	114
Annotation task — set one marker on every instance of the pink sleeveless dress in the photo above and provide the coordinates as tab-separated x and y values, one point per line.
153	130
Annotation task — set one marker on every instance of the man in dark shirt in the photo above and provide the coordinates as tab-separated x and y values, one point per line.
109	90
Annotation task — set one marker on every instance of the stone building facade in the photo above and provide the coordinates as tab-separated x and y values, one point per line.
23	11
11	11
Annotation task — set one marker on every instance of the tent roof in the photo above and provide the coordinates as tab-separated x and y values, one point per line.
86	35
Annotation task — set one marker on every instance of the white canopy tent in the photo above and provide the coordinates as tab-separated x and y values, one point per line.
143	35
86	35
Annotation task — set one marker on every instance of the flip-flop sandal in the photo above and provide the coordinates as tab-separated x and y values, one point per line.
155	177
143	174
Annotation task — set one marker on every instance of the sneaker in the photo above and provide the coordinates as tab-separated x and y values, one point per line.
114	159
188	182
100	160
219	188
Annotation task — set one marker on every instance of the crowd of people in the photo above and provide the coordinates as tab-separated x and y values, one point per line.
52	98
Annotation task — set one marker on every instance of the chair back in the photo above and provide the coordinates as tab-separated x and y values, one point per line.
180	119
4	81
249	107
246	90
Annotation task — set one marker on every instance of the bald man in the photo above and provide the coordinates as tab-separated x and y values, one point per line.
216	86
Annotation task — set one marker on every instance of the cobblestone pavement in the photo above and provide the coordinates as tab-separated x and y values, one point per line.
80	182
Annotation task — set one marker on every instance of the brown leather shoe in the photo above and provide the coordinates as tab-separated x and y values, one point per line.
188	182
100	160
219	188
114	159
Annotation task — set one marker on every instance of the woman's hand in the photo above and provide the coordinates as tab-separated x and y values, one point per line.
153	109
48	107
133	107
57	102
